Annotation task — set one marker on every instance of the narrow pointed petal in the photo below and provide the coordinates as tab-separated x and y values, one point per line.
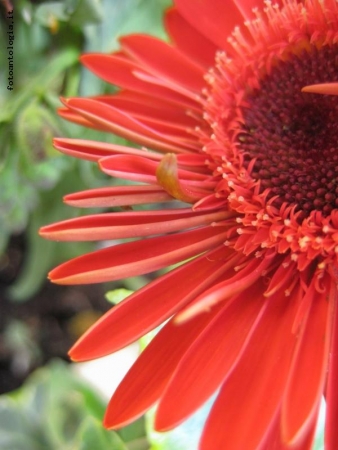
189	40
164	61
76	118
322	88
143	170
215	19
131	168
193	162
120	225
246	7
121	72
94	150
263	368
226	289
201	371
281	277
139	105
149	307
136	258
146	380
273	439
120	123
308	371
117	196
331	430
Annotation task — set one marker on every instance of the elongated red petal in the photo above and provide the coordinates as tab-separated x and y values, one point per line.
189	40
215	19
132	168
165	61
246	7
209	360
93	150
120	123
308	371
121	71
135	258
146	380
127	224
145	170
226	289
149	307
74	117
280	278
143	106
117	196
258	379
331	431
273	439
322	88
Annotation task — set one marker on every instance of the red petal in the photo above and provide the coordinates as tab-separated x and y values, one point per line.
94	150
74	117
215	19
144	170
120	71
193	162
132	168
120	123
139	105
117	196
234	285
250	397
331	429
322	88
308	371
189	40
166	62
246	7
119	225
135	258
274	441
146	380
179	127
209	360
149	307
281	277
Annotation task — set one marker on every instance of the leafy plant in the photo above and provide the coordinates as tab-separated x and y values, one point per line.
55	410
49	38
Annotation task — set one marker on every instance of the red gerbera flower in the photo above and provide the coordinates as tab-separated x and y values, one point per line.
240	113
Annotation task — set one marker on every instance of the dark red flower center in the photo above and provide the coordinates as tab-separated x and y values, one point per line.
293	136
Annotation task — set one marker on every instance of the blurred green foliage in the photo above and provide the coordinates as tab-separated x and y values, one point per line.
56	410
49	37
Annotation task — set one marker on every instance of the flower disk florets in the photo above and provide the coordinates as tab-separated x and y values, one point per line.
293	136
274	147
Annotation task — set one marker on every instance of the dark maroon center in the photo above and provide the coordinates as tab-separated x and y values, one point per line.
293	136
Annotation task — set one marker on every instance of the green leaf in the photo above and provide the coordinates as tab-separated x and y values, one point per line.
40	83
43	254
48	412
117	295
83	12
92	435
120	18
134	434
48	11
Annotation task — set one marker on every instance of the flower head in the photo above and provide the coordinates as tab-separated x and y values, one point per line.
237	120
